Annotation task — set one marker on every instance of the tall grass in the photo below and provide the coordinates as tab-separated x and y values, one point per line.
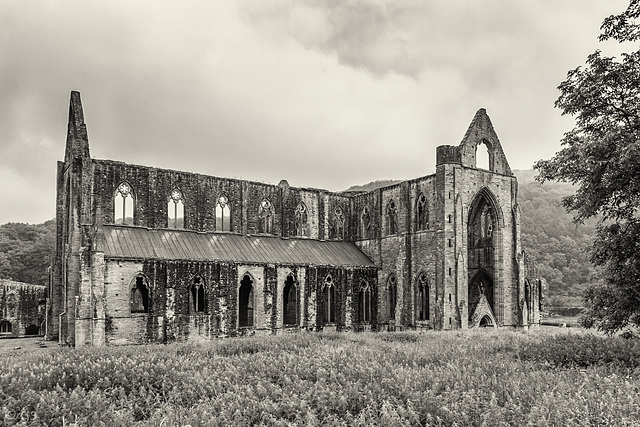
397	379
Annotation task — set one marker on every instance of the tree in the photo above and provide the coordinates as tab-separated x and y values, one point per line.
601	156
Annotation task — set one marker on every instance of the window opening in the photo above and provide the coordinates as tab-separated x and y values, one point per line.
392	218
364	303
245	302
123	204
301	220
422	216
339	222
423	297
140	296
329	299
365	222
175	209
482	156
393	295
290	302
198	298
265	215
5	327
223	214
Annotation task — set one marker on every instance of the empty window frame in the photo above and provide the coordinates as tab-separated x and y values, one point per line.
197	295
5	327
290	302
245	302
392	218
423	297
364	303
329	301
392	292
123	201
223	214
175	210
339	223
365	223
265	217
139	295
422	213
301	220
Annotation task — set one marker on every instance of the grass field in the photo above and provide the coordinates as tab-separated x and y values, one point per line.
556	377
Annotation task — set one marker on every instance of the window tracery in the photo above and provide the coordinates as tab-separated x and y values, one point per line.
329	299
123	202
223	214
301	220
265	215
392	218
339	222
175	209
365	222
422	213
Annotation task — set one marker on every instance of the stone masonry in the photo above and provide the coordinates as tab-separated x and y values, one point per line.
154	255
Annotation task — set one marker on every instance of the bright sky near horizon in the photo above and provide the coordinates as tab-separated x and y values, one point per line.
322	93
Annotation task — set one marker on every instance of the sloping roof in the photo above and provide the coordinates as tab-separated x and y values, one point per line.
143	243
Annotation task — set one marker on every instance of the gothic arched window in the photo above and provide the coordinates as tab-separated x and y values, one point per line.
140	295
392	218
422	213
265	217
365	223
123	204
339	221
423	297
223	214
301	220
364	303
175	209
392	289
245	302
290	302
329	301
197	296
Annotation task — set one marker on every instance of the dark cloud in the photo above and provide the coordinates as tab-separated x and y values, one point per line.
323	93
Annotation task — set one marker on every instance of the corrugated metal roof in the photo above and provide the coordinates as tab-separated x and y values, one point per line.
135	242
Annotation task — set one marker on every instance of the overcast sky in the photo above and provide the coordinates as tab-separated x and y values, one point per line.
322	93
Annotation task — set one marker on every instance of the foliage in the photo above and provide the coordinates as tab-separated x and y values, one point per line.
26	251
558	245
434	378
601	156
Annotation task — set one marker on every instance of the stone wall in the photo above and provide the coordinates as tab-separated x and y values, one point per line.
22	309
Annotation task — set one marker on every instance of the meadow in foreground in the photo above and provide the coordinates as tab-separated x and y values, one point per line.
387	379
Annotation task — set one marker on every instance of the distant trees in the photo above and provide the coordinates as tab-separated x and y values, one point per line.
26	251
601	156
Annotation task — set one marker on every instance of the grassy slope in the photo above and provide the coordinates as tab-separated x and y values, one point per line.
436	378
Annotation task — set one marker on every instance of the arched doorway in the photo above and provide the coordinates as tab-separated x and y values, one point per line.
481	292
290	301
486	322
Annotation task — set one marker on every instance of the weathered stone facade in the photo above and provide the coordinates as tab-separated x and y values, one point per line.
146	254
22	309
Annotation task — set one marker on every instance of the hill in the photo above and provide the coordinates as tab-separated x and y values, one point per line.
26	251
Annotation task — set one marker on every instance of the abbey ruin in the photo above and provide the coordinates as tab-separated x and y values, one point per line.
154	255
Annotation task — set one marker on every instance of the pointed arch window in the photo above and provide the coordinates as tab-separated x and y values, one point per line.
301	220
245	302
123	202
175	209
197	295
392	289
422	213
223	214
290	301
140	295
364	303
365	223
329	301
339	222
423	297
265	217
392	218
483	155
